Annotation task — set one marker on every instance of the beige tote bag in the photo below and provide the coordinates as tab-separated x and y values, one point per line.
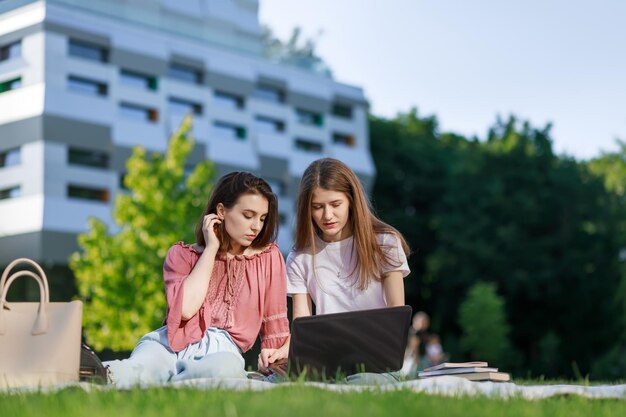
39	342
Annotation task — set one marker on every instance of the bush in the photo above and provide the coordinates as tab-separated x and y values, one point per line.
484	326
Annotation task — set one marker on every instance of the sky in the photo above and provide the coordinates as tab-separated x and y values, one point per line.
467	62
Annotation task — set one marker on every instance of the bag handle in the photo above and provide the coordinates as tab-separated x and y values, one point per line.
41	322
26	261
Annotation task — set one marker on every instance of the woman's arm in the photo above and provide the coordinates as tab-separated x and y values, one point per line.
302	305
197	282
275	327
393	286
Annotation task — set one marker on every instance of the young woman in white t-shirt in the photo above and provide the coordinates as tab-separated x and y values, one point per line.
344	257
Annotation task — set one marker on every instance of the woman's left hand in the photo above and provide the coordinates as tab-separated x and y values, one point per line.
269	357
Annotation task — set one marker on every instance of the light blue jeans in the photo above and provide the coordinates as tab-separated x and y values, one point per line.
154	362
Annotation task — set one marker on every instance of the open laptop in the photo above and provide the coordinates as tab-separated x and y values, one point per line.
332	345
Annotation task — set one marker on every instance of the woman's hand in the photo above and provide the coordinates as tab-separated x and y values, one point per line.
274	359
210	223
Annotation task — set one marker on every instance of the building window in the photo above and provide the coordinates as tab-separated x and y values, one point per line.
10	157
88	158
88	193
308	145
11	84
342	110
12	192
87	50
270	93
265	124
185	73
182	106
228	100
307	117
343	139
138	80
139	113
86	86
229	131
11	51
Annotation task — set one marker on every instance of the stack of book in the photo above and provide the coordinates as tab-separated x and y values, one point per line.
475	371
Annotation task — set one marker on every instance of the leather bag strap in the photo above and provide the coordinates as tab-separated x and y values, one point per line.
41	322
26	261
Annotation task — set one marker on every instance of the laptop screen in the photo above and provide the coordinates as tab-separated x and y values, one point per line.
330	345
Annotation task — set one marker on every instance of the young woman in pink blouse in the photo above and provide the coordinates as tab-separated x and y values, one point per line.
222	292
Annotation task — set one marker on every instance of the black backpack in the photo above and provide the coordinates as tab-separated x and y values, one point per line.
91	368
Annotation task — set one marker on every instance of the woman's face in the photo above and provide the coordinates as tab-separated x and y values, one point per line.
331	213
244	221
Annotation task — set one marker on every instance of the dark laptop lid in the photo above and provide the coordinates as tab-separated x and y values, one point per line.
347	343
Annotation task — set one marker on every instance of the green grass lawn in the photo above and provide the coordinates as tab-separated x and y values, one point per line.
291	401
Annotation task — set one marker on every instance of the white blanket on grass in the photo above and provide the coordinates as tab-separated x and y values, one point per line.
444	386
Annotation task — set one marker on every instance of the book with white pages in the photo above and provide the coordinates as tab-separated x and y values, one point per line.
485	376
452	371
446	365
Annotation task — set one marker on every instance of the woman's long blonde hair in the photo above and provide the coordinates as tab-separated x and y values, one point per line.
332	174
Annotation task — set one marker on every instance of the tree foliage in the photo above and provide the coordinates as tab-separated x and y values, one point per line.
505	210
611	167
412	161
293	52
119	274
482	318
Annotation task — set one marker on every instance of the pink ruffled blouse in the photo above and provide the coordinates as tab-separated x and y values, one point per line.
247	296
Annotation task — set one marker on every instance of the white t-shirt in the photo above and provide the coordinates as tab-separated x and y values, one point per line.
334	289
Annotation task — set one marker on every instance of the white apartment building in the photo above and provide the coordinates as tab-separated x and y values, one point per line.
84	81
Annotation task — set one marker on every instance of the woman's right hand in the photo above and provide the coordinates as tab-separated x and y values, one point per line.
210	223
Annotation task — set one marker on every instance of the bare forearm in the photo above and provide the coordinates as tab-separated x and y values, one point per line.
197	283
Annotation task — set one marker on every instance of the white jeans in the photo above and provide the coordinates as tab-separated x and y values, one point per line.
154	362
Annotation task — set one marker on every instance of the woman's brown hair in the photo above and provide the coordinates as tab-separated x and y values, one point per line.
332	174
227	191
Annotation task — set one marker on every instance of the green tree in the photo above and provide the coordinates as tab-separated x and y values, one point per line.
485	329
506	209
293	52
611	167
541	227
119	275
412	162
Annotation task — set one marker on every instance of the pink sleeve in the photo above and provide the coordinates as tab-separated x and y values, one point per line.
179	263
275	326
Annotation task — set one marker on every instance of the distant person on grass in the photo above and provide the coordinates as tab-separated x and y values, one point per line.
423	348
344	257
411	363
419	326
222	292
434	351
